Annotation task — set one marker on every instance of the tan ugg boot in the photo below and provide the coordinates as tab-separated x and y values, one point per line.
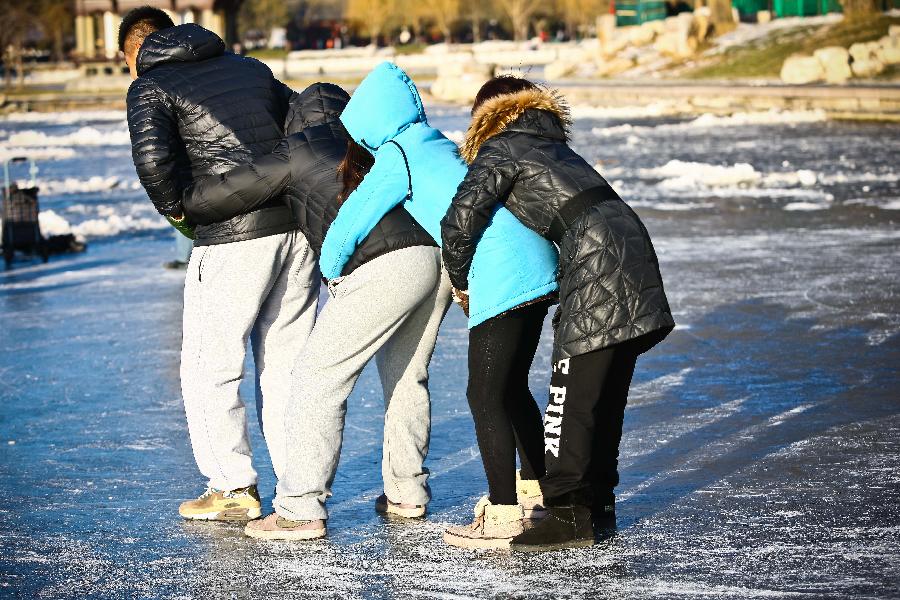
528	494
494	526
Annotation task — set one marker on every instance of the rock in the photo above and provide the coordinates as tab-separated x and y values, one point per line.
888	50
764	16
867	67
701	25
861	51
606	26
894	31
799	70
460	82
613	66
559	69
614	45
676	44
835	62
641	36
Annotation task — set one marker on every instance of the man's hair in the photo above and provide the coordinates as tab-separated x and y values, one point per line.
500	86
138	24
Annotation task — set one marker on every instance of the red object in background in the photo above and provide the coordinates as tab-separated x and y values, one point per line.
612	7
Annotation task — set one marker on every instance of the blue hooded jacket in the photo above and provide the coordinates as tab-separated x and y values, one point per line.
512	264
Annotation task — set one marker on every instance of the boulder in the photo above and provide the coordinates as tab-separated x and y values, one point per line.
894	31
835	61
862	51
641	36
676	44
701	25
888	50
559	69
460	82
613	66
799	70
764	16
867	67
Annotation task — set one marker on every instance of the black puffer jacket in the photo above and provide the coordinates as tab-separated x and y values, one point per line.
196	110
303	169
611	289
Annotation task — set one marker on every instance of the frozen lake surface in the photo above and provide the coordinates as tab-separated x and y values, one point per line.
761	456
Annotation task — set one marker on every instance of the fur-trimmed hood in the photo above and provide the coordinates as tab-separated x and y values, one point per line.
496	114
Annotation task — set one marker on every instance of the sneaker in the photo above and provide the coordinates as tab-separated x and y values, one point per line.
218	505
563	527
528	494
407	511
494	526
275	527
603	514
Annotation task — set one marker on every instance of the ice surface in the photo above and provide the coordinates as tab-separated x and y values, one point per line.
761	452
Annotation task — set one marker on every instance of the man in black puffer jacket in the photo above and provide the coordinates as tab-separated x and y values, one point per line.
303	168
195	110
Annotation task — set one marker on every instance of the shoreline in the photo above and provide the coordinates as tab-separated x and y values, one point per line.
866	102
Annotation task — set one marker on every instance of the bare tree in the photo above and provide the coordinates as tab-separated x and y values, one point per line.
264	15
578	14
519	13
56	20
854	9
15	23
444	13
373	15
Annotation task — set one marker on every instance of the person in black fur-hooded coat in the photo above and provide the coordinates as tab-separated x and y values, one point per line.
612	303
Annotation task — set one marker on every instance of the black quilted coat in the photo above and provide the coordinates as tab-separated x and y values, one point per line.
611	290
196	110
303	169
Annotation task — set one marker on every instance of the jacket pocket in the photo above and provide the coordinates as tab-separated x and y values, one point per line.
206	251
301	269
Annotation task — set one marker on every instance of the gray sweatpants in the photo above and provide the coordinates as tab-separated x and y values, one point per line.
266	290
390	308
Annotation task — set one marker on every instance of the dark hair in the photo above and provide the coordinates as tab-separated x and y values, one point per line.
499	86
146	19
353	168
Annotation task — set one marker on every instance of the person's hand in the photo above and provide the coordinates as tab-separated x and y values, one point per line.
181	223
461	297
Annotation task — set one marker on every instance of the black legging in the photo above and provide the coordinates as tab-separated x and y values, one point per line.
506	416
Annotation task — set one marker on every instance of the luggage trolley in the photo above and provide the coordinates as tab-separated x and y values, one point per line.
21	229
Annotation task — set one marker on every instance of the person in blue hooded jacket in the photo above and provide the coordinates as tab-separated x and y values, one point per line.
512	285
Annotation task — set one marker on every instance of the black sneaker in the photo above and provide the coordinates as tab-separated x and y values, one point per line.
563	527
603	514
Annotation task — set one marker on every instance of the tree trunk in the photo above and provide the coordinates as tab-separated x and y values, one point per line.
854	9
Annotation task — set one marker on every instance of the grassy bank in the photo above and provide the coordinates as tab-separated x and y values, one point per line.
763	58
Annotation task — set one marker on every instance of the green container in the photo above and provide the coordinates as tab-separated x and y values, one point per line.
829	6
751	7
796	8
635	12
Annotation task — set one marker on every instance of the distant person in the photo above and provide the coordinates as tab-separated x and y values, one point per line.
195	110
612	303
183	247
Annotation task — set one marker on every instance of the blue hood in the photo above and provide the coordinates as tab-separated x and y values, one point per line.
383	106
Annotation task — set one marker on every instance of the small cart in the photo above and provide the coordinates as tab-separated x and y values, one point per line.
21	229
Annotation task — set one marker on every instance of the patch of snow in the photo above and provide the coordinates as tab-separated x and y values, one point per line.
56	153
707	121
794	206
84	136
65	118
677	174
